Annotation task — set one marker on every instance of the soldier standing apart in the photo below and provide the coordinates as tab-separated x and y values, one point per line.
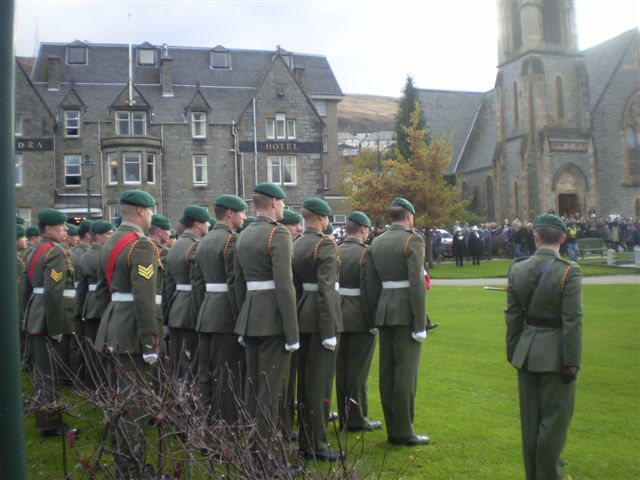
181	313
128	328
359	290
220	356
47	276
398	257
544	342
159	234
90	308
267	322
315	269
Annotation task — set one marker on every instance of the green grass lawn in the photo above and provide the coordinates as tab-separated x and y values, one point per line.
499	268
467	398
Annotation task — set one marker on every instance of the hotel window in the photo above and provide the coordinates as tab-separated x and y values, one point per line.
199	169
24	213
281	131
131	167
72	170
146	57
77	55
271	128
151	168
72	123
321	106
19	172
291	129
281	128
325	144
114	211
131	123
112	165
199	125
17	126
282	169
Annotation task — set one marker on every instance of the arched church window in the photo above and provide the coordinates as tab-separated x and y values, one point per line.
516	199
491	206
552	22
516	113
464	190
559	98
637	207
632	137
516	27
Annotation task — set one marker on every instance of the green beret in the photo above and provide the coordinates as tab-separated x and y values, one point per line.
32	231
20	231
290	217
231	202
270	190
196	213
19	220
174	233
84	227
549	220
101	226
72	230
248	220
137	198
51	216
329	229
359	218
318	206
161	222
212	221
117	221
401	202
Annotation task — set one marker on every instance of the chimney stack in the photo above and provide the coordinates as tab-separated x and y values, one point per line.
53	70
166	72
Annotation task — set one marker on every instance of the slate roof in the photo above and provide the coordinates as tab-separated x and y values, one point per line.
450	114
227	91
602	62
478	150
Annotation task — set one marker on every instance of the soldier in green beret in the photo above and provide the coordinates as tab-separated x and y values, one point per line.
221	358
72	238
159	233
21	246
293	221
315	269
19	220
181	313
127	270
267	321
544	342
398	258
84	236
48	277
359	290
33	237
248	220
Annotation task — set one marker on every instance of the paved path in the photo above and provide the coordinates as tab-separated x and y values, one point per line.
599	280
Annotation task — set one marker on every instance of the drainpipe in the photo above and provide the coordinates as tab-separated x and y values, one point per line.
101	168
255	143
160	160
235	152
12	451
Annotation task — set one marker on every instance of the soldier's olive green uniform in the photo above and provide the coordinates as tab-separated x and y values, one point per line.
267	318
20	266
76	361
161	298
315	269
129	329
46	325
541	340
181	314
398	257
221	358
359	290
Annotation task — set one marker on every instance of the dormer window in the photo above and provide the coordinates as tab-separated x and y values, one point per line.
146	57
77	55
220	60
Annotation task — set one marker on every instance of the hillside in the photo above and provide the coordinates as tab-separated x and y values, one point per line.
366	113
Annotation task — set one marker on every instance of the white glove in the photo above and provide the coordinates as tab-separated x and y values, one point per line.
150	358
291	347
330	343
241	341
419	336
373	331
57	338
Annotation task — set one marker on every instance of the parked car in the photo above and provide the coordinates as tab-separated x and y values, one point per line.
447	242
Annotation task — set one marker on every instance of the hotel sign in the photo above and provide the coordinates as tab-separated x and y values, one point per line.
34	144
272	146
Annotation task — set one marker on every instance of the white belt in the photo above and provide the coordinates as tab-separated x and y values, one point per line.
92	287
38	290
395	284
69	293
313	287
158	299
349	292
218	287
183	287
121	297
76	284
264	285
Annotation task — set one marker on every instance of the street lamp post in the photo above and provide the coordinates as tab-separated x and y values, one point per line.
87	170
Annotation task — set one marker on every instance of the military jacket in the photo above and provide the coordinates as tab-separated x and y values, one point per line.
398	255
162	251
19	273
264	252
217	311
77	253
180	307
315	261
44	312
357	272
558	296
130	327
86	275
75	256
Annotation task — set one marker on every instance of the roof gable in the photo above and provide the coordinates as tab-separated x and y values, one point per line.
198	103
122	100
72	99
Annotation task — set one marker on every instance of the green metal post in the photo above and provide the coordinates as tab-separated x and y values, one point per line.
12	452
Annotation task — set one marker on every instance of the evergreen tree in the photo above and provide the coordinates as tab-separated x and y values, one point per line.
409	103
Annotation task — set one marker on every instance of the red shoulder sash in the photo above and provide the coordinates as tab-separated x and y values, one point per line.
115	253
36	256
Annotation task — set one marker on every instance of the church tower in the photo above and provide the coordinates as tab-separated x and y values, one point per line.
544	156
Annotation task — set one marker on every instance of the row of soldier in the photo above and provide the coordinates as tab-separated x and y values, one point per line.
255	315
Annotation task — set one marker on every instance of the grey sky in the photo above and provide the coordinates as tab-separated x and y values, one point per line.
371	45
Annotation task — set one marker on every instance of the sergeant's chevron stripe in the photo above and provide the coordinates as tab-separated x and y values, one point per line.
56	276
146	272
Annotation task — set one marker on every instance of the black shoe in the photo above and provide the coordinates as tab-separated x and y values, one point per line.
410	441
55	432
367	427
431	326
321	455
290	436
